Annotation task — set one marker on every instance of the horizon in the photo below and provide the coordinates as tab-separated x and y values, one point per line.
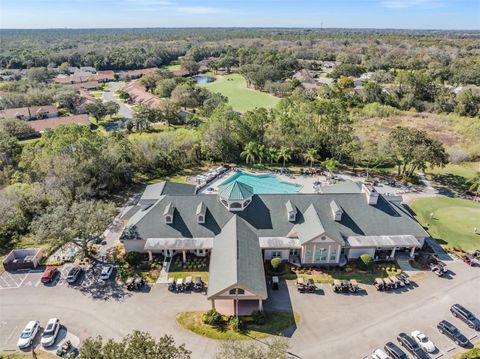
461	15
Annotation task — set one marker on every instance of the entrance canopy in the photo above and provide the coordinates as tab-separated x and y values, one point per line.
383	241
178	243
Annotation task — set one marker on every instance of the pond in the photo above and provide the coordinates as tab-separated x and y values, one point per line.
203	79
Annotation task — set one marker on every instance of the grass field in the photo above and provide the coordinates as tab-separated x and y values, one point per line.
454	176
276	323
40	354
172	67
239	95
453	221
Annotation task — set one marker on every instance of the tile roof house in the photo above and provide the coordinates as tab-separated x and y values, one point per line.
41	125
139	95
29	113
240	229
136	74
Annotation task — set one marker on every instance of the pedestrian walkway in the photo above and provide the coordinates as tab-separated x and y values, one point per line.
438	250
163	278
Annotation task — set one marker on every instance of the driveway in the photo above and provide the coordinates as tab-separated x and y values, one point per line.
333	326
124	110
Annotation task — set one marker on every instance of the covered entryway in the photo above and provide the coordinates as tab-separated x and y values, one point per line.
383	247
244	307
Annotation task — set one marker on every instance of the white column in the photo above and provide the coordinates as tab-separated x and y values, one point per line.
328	253
260	305
213	303
150	256
184	255
412	252
339	250
392	255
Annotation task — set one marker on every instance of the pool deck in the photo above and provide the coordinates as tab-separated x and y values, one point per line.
306	182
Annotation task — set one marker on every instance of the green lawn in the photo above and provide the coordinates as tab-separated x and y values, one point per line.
275	324
454	176
239	95
172	67
453	221
40	354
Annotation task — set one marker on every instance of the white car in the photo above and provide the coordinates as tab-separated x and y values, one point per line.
380	354
106	272
423	341
50	333
28	334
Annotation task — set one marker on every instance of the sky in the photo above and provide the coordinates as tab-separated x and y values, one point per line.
400	14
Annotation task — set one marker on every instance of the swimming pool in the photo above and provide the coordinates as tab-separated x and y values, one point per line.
263	184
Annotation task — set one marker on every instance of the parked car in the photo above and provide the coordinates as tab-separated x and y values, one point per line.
394	351
453	333
73	274
106	272
380	354
51	332
423	341
464	314
28	334
411	345
49	274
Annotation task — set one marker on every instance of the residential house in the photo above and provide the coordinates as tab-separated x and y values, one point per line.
136	74
240	229
104	76
29	113
139	95
41	125
181	73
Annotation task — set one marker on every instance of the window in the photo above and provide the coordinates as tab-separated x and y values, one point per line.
321	254
201	219
308	255
235	205
291	216
237	291
168	219
276	254
333	254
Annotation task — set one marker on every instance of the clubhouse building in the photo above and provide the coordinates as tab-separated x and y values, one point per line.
240	230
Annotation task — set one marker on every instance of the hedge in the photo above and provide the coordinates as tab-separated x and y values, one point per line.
365	262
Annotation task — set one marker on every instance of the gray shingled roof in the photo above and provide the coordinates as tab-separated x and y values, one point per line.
267	216
236	260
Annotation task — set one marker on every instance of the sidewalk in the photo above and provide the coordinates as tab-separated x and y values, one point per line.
163	277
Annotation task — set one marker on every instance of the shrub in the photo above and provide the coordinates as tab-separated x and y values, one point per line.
133	258
212	317
235	323
348	269
276	264
259	317
365	262
53	264
472	354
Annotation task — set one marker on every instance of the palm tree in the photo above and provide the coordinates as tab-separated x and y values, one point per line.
262	153
475	184
272	154
330	164
310	156
284	153
250	152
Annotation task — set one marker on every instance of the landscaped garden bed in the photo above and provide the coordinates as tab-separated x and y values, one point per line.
225	328
349	272
193	267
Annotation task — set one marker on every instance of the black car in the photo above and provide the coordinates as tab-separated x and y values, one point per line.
394	351
411	345
453	333
464	314
73	274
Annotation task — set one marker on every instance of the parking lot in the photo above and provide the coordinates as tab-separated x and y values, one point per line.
31	278
334	326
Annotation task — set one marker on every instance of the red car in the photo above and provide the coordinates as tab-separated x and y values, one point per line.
49	274
469	260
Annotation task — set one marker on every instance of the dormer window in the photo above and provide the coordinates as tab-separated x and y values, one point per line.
168	213
337	211
291	211
201	213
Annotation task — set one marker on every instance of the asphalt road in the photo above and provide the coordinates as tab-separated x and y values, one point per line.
332	325
124	110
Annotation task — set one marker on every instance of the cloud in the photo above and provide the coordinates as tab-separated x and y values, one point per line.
199	10
404	4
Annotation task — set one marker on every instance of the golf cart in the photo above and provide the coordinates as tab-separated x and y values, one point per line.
275	283
388	283
336	285
353	286
198	285
179	285
404	278
438	268
171	284
300	285
64	349
188	283
395	281
379	284
134	283
311	287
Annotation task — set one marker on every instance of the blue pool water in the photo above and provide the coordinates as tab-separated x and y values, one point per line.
263	184
202	79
